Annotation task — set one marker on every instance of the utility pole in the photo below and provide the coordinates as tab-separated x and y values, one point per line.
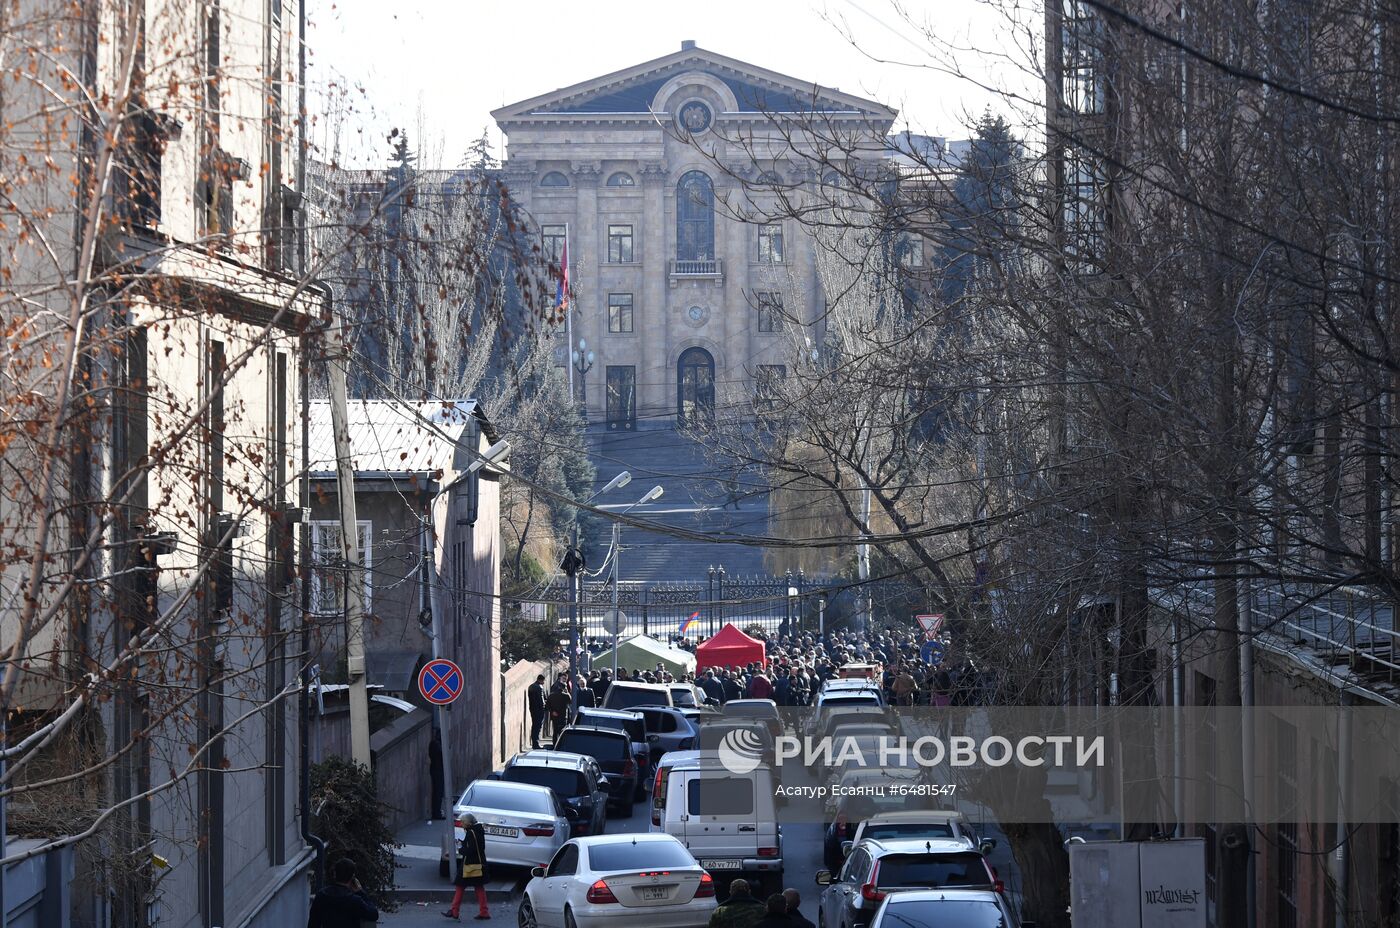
349	551
572	565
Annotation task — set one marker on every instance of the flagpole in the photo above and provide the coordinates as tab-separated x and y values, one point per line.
568	313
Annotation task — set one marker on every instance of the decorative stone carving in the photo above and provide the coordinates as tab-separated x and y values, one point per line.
654	172
585	171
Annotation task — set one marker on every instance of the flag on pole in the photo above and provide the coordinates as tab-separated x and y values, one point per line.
686	623
561	294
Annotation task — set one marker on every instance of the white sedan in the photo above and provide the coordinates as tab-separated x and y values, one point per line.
604	881
524	824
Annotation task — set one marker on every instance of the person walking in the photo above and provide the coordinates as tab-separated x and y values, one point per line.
535	700
740	910
471	869
342	904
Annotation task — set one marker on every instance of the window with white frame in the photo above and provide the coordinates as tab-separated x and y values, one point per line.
770	243
328	568
1081	58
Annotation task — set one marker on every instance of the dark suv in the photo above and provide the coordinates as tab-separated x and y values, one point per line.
612	750
634	724
575	778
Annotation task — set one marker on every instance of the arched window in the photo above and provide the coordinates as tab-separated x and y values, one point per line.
554	179
621	179
695	387
695	217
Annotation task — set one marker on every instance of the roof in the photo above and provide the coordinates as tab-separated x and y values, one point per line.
611	713
397	671
918	845
631	90
539	758
391	437
652	647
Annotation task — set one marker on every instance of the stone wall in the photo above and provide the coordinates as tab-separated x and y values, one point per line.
514	715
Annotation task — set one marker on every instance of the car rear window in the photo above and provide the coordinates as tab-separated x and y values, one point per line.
720	795
683	697
487	796
636	730
565	782
933	870
625	697
643	855
851	699
593	744
908	830
944	913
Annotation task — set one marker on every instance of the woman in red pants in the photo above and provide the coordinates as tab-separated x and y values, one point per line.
471	868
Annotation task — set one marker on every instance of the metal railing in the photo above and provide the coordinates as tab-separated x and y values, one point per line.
713	267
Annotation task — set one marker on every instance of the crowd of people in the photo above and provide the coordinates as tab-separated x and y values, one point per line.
796	667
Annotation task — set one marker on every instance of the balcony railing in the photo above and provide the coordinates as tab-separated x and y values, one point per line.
710	269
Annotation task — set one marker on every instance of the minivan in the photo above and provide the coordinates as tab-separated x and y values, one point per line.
624	694
727	820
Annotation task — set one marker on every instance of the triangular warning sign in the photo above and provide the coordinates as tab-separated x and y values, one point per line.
930	623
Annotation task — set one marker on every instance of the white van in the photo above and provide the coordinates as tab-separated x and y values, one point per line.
727	820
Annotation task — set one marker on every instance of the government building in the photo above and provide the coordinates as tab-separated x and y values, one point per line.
662	179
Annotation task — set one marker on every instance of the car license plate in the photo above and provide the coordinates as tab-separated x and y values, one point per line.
655	893
720	864
500	831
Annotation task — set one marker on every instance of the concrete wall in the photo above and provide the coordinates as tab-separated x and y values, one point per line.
514	714
401	770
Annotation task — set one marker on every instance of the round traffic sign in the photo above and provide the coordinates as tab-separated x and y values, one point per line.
614	621
440	681
931	652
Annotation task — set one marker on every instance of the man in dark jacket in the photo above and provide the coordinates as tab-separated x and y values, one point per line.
559	705
777	913
732	689
794	900
740	910
343	904
535	700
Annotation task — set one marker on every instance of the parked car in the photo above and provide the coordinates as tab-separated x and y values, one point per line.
877	868
687	694
524	824
940	824
669	730
727	820
856	803
624	694
576	779
604	881
834	716
612	749
947	908
632	722
764	710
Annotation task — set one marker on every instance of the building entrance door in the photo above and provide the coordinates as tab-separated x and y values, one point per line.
696	387
622	398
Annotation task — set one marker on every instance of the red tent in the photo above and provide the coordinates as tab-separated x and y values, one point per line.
729	648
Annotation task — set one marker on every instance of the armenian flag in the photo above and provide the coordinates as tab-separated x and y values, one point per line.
686	623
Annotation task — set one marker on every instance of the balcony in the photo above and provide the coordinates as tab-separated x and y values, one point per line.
709	269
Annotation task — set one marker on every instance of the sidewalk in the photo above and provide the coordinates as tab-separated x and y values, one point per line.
419	877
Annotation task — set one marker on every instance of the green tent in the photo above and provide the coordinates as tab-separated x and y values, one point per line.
640	652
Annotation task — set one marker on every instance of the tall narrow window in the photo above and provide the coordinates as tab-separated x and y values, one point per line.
1081	50
1084	209
552	242
619	313
619	243
770	243
328	569
770	311
695	218
768	384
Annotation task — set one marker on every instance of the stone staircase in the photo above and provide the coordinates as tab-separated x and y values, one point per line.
696	493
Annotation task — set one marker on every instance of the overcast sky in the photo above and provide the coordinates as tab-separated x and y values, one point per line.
440	66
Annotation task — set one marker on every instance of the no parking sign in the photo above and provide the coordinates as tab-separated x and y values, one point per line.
440	681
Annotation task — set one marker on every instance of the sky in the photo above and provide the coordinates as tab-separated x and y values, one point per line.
438	67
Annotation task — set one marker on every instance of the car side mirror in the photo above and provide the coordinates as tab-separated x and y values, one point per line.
496	775
988	845
711	701
603	782
846	848
537	871
653	739
823	877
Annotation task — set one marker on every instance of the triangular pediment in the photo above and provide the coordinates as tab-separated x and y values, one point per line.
633	90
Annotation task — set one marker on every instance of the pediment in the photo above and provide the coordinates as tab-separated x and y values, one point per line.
633	91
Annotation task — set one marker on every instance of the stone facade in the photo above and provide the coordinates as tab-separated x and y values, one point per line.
662	176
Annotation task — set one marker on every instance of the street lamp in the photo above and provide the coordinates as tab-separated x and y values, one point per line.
583	363
572	564
654	493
